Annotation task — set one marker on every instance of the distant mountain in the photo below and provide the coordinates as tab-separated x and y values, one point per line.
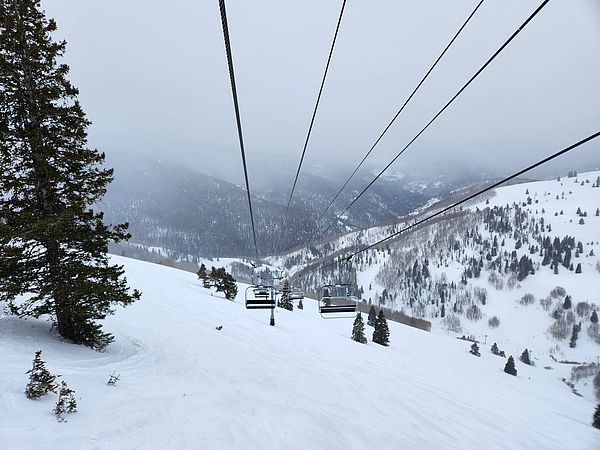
189	211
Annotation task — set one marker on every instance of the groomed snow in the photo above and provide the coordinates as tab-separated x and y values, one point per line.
300	385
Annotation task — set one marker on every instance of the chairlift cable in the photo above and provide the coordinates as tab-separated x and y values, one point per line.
314	114
237	116
406	102
460	202
460	91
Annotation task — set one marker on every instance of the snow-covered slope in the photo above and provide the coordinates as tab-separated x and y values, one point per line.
302	384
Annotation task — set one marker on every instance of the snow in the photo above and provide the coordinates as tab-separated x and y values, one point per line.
301	384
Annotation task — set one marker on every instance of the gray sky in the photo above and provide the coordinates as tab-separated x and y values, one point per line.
153	78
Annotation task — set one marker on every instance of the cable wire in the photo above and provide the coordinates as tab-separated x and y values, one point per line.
406	102
460	202
314	114
461	90
237	115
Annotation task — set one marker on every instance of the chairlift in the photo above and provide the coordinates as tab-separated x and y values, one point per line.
296	295
259	297
335	301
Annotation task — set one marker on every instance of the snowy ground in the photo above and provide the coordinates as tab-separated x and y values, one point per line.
302	384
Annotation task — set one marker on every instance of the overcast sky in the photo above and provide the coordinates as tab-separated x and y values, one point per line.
153	78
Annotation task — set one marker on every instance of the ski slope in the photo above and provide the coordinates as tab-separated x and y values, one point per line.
303	384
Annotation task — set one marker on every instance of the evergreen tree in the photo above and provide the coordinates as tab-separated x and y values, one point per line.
510	366
381	333
53	246
372	317
66	402
578	269
525	359
475	349
567	303
574	336
202	275
300	304
224	282
594	317
358	330
41	381
494	349
596	422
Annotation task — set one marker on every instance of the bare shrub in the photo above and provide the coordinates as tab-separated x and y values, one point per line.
511	282
480	294
583	309
494	322
452	323
495	280
584	371
559	329
557	292
398	316
527	299
546	303
594	332
474	313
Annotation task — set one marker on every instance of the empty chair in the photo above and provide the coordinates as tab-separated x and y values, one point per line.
259	297
336	302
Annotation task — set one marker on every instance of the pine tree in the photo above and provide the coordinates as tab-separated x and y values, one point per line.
224	282
381	333
525	359
372	317
578	269
510	366
358	330
574	336
66	402
594	317
567	303
300	304
202	275
475	349
41	381
596	422
53	246
494	349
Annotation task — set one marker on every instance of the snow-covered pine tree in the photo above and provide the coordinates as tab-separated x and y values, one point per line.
372	317
52	244
202	275
510	366
41	381
358	329
475	349
381	333
494	349
66	402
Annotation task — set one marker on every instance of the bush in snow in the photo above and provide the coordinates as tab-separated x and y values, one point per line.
557	292
559	329
495	280
584	371
494	322
510	366
594	332
583	309
474	313
41	381
452	323
66	403
527	299
546	303
511	282
475	349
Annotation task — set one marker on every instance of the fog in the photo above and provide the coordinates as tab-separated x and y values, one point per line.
153	80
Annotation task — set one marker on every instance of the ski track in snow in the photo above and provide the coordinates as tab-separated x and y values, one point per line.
302	384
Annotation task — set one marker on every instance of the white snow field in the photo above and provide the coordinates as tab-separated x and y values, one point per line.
303	384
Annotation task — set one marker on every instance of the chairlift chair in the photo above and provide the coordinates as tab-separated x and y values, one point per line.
336	302
259	297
